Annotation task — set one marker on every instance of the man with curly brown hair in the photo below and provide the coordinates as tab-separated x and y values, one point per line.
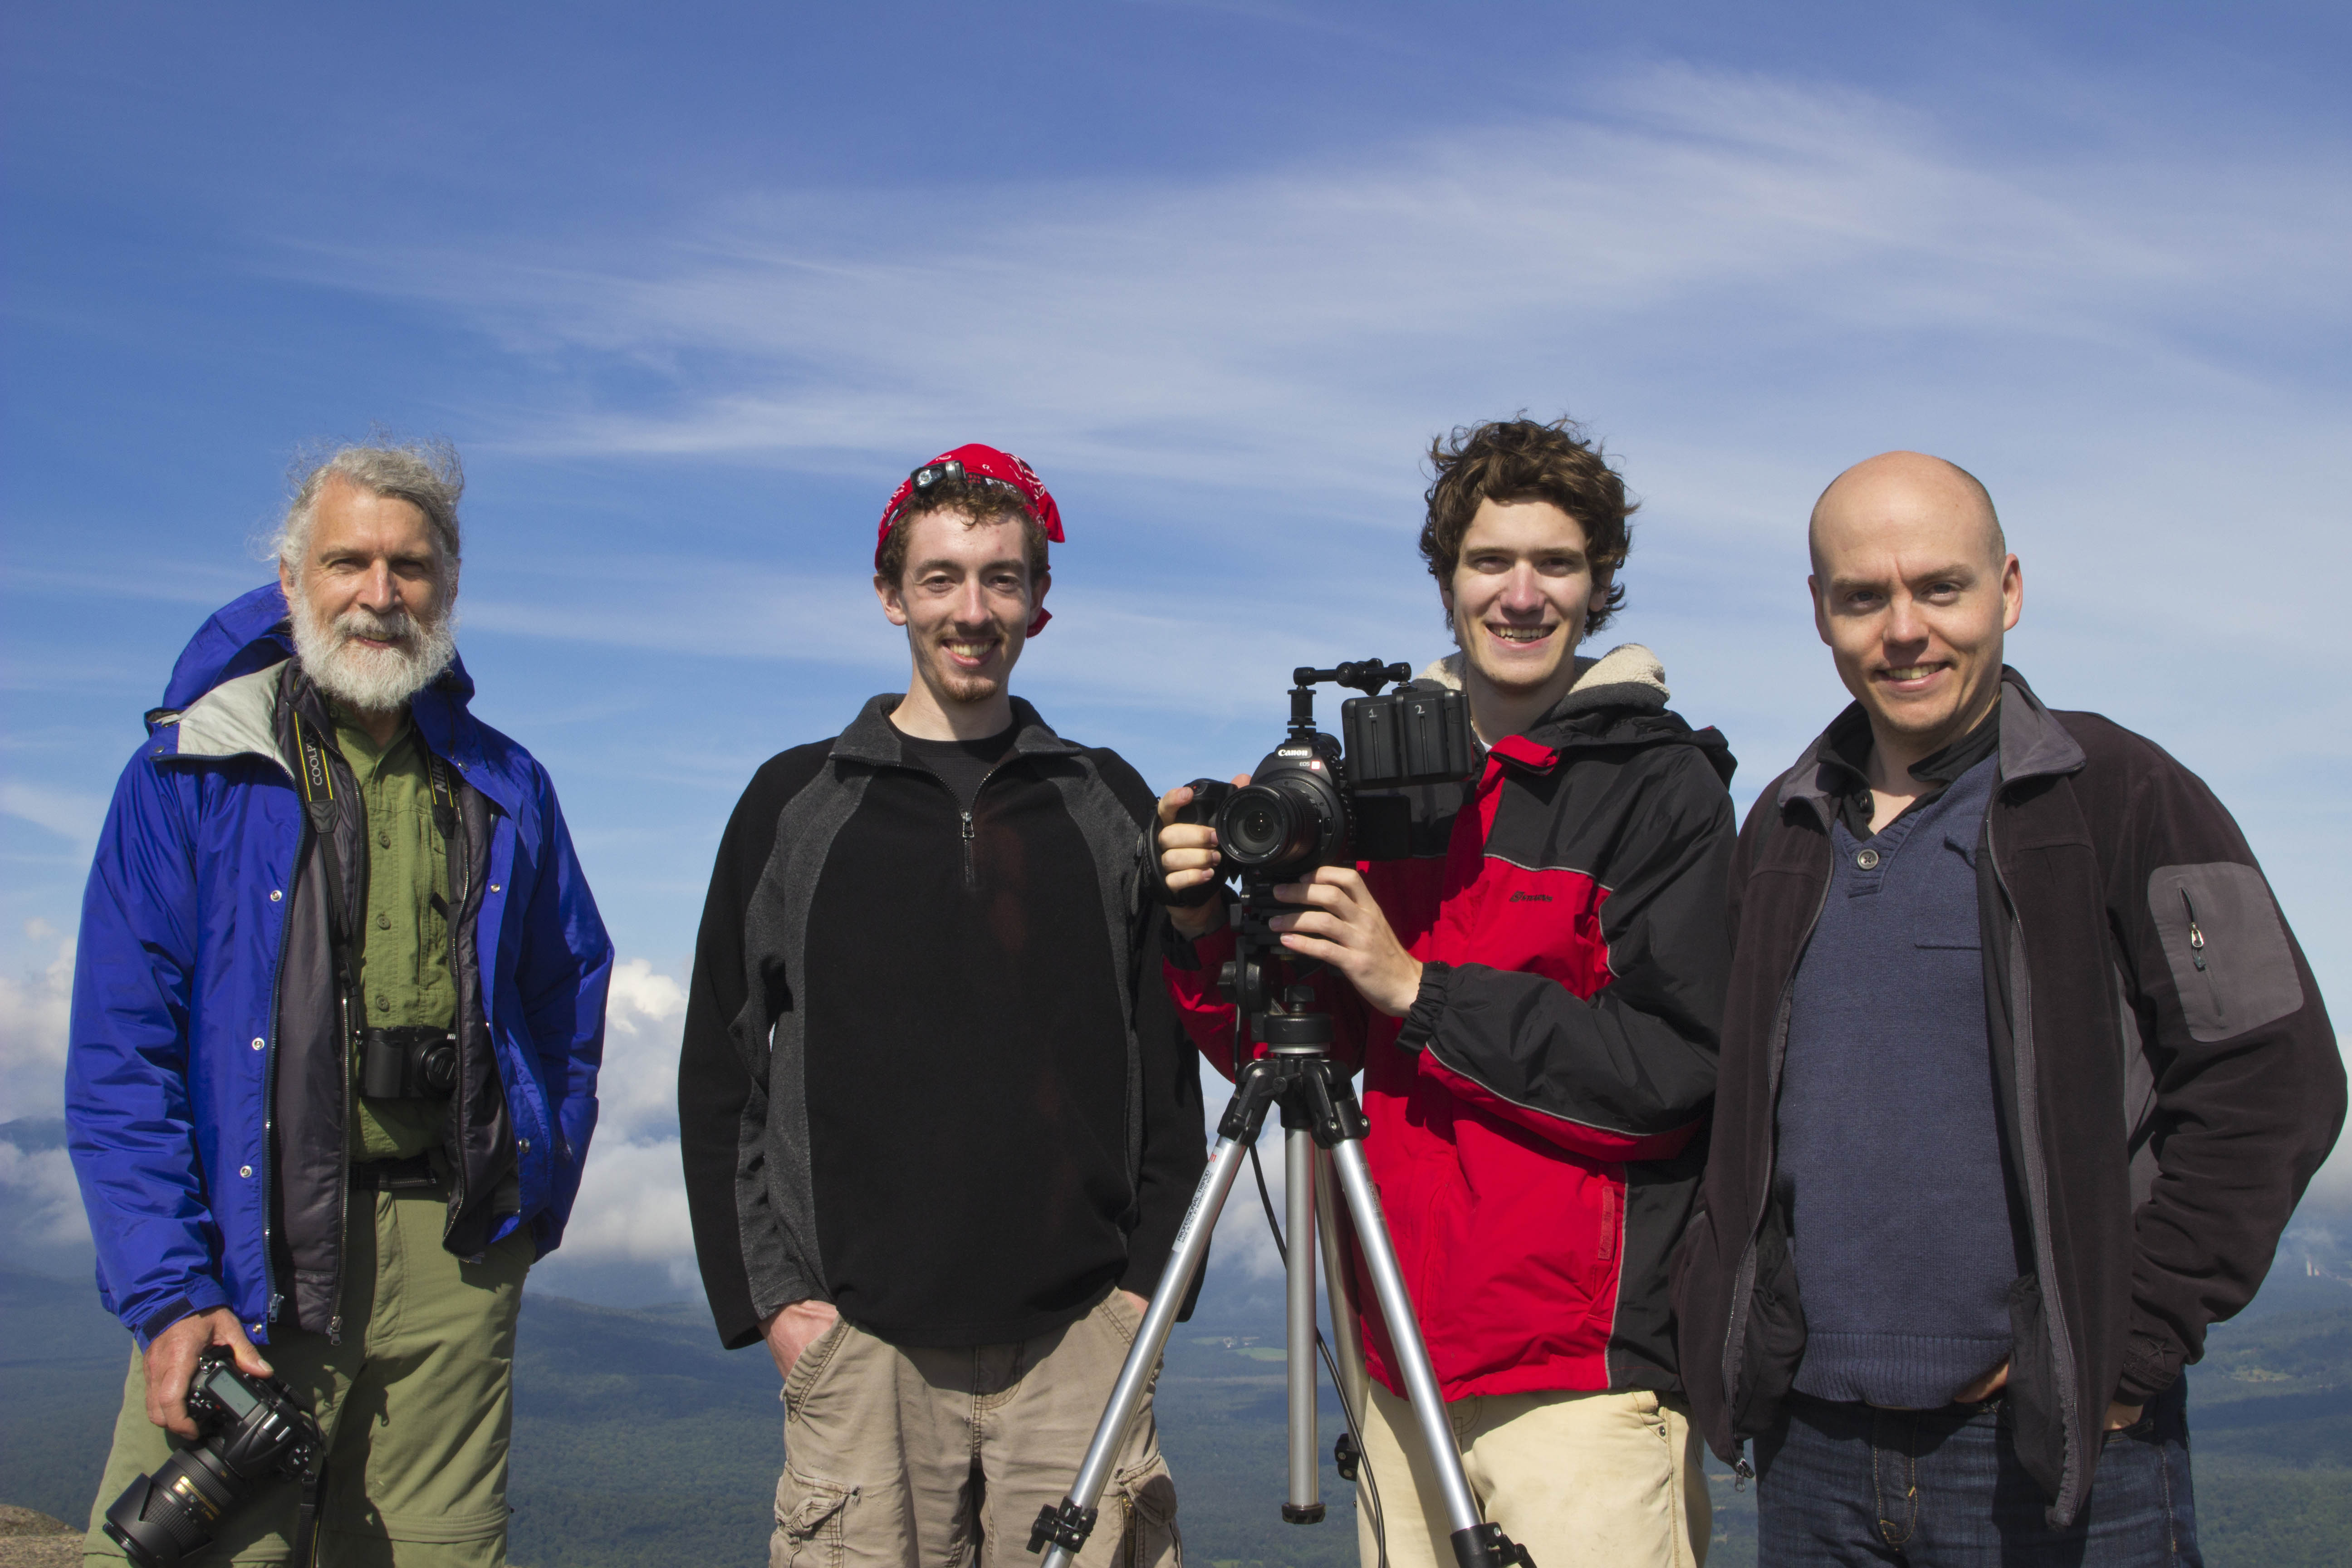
1534	996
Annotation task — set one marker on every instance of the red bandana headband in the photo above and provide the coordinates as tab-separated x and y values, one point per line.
976	461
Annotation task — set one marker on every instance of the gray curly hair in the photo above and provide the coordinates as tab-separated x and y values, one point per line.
425	474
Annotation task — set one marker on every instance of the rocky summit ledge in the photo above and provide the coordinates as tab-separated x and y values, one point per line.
30	1540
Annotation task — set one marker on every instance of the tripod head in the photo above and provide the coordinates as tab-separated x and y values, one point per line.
1267	984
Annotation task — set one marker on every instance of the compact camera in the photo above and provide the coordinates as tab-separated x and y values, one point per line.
409	1062
255	1432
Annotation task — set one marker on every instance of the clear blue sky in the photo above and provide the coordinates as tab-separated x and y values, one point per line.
693	285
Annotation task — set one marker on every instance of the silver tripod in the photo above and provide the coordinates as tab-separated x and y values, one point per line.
1323	1137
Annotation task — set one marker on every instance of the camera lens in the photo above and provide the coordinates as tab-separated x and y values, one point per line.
1257	827
1271	826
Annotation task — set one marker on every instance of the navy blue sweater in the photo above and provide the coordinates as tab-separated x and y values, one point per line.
1890	1155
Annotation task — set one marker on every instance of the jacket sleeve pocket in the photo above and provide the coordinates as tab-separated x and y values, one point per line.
2226	946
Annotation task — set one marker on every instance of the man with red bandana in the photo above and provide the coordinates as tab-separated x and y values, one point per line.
939	1122
1534	993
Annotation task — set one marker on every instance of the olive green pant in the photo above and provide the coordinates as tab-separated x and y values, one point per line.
417	1402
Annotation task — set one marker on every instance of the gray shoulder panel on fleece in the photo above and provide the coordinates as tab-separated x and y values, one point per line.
1118	846
775	1193
2226	947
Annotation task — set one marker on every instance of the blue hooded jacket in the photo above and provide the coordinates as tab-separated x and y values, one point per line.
176	1025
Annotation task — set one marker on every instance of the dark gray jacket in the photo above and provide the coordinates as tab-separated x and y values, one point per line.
2168	1083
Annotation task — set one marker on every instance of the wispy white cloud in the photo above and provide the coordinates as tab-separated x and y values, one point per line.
34	1006
1271	327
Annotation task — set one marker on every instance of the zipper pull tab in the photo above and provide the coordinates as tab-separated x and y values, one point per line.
2196	933
967	827
335	1330
1742	1472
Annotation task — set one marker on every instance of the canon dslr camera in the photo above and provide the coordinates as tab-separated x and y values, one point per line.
1304	806
254	1432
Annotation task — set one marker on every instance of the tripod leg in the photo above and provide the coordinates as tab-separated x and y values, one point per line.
1477	1544
1339	1289
1304	1506
1066	1527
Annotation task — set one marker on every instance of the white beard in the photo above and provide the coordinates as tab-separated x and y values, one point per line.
374	680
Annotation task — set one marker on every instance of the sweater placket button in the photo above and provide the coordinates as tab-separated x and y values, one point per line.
1867	859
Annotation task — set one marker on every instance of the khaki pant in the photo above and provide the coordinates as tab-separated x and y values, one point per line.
1613	1481
932	1459
416	1402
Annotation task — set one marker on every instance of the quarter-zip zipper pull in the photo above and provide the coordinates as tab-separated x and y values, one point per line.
2196	933
970	876
1742	1472
335	1330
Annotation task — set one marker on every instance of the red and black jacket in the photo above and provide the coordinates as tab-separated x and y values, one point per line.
1533	1115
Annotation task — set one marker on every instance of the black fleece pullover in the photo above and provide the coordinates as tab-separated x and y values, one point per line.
959	1142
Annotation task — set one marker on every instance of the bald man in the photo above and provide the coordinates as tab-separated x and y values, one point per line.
2022	1075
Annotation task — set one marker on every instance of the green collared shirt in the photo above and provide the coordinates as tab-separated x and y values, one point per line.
404	976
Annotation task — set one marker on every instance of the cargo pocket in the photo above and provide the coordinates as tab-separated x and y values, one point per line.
809	1529
810	1367
1148	1496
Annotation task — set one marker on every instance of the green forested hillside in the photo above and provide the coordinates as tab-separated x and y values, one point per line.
639	1441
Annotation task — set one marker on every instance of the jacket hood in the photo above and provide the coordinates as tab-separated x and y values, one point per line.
253	633
1618	699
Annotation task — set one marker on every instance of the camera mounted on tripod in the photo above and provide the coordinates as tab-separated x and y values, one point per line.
1310	804
1304	806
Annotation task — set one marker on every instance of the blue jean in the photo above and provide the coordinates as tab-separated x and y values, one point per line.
1849	1484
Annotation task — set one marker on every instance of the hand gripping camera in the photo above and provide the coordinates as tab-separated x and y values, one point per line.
254	1432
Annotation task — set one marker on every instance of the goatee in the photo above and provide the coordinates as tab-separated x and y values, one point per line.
372	680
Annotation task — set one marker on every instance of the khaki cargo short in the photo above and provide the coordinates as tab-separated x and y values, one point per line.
906	1457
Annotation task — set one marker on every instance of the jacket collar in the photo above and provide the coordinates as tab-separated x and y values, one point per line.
1627	675
872	738
2034	745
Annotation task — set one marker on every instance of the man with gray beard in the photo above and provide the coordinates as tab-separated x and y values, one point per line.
337	1016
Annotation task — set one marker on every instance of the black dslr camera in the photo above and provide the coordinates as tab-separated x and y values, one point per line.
1304	806
254	1432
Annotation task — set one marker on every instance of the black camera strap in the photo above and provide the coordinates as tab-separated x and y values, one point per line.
319	798
325	808
306	1519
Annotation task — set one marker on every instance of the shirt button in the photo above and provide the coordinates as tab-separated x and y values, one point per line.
384	922
384	840
256	1042
383	1004
1867	859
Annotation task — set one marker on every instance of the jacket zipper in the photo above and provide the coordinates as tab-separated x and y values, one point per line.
2196	933
269	1080
459	835
343	1041
971	873
1743	1280
2037	1175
